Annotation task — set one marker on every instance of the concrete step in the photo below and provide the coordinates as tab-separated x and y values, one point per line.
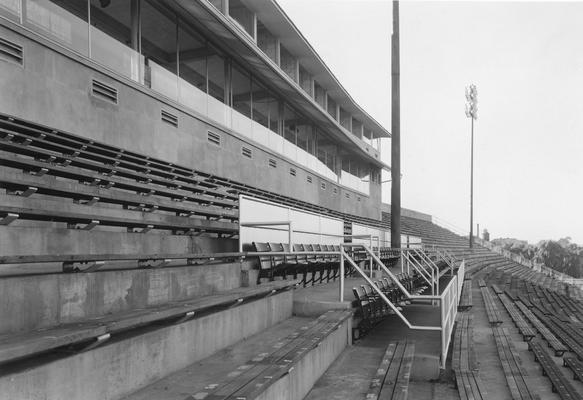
282	362
134	359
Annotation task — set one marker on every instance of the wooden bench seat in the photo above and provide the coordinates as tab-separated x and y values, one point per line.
551	339
511	365
491	308
45	210
466	301
560	383
576	366
101	180
524	328
25	344
86	194
262	371
82	155
391	380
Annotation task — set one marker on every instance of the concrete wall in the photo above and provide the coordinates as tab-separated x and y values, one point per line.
53	88
297	384
42	301
121	367
27	240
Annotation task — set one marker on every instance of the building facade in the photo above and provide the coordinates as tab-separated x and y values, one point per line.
228	87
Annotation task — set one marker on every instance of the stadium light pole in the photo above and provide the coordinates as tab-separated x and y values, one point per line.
472	113
395	133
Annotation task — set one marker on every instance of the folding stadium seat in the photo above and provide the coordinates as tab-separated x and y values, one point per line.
265	262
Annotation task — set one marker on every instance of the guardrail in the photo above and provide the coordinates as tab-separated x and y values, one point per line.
448	300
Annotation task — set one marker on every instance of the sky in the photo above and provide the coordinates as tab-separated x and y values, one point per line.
526	59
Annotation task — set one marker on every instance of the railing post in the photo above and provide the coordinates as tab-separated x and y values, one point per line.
341	294
289	238
371	261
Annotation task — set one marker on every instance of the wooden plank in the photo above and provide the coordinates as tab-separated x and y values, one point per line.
46	210
402	385
379	379
75	190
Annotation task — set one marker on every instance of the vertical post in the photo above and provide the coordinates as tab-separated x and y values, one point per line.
289	236
135	25
341	293
472	189
371	260
395	133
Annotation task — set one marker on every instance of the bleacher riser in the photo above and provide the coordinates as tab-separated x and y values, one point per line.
126	364
299	381
48	300
40	241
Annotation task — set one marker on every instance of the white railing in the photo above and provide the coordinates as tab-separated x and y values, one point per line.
448	300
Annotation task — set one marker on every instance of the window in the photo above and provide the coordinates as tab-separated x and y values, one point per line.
290	120
292	172
345	120
243	16
335	190
332	108
241	91
356	128
216	77
272	163
305	81
159	46
265	107
192	55
320	95
309	179
323	185
266	41
288	63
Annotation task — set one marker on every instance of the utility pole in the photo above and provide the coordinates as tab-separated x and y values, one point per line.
395	133
472	113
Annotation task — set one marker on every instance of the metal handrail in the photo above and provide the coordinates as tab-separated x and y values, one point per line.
385	299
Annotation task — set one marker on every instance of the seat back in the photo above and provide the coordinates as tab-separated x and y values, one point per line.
264	261
301	258
277	259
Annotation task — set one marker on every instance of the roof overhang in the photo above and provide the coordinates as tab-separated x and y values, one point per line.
241	47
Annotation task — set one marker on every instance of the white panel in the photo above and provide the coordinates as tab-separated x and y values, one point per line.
313	225
192	97
241	124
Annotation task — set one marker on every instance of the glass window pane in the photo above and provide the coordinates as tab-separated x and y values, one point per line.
242	15
241	91
319	95
261	104
192	58
288	63
216	77
111	37
356	128
332	108
305	81
266	41
159	46
345	119
63	21
290	120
